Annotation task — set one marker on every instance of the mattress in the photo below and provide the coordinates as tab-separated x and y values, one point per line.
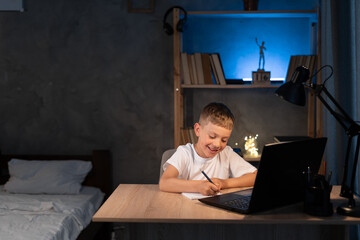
43	216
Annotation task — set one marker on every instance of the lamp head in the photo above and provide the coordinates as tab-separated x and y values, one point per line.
294	91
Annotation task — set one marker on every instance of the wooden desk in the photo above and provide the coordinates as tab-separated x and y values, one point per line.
144	203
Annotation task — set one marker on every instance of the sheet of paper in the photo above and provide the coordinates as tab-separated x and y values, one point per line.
194	195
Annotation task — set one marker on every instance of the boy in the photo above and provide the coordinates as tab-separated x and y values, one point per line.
210	154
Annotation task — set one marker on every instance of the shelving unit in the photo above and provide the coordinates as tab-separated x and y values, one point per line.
231	86
179	88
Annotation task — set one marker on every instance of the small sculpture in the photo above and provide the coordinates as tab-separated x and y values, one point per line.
262	56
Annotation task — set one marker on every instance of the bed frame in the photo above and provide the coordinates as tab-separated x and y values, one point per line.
99	176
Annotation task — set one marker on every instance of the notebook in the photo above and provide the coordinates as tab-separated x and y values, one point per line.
280	179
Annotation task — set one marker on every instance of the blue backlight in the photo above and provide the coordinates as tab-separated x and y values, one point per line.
234	38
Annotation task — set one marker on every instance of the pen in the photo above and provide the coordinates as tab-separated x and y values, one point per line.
207	177
308	174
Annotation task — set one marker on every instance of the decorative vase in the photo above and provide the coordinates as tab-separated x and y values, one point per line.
250	5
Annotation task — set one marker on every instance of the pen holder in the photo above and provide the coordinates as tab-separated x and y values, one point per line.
317	197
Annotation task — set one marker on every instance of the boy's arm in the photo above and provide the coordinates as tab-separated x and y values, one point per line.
170	183
246	180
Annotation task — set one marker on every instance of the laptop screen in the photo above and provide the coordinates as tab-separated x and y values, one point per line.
281	174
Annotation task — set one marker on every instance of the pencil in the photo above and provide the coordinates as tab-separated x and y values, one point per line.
207	177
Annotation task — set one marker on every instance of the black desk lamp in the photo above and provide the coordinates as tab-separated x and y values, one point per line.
294	92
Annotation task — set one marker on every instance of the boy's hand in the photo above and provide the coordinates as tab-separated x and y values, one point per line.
208	189
219	182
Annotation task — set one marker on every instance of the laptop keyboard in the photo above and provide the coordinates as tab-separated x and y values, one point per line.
240	203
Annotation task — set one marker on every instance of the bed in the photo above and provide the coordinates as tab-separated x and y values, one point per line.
34	208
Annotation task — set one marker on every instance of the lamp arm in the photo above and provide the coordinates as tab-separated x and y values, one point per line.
355	164
352	129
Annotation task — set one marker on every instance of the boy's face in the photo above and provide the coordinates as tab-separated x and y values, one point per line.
212	139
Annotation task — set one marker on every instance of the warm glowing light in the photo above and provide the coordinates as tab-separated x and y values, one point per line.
251	146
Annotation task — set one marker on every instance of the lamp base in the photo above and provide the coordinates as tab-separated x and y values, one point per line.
349	211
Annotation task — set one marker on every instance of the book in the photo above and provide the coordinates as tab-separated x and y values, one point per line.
185	68
219	68
207	68
235	81
199	68
185	136
215	76
190	68
193	137
202	68
300	60
193	66
290	68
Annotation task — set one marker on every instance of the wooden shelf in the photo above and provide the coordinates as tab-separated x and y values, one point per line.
231	86
311	15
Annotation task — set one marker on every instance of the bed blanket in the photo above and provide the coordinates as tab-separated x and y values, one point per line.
34	216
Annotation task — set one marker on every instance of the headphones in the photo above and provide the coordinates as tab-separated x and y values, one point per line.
179	26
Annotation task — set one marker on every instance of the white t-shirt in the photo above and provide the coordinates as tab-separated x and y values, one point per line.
226	164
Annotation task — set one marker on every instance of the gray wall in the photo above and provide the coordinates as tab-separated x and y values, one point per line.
86	74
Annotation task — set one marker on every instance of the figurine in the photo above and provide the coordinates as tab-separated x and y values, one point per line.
262	56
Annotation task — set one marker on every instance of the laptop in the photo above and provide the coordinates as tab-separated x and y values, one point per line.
280	180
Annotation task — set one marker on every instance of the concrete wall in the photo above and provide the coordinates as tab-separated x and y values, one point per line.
86	74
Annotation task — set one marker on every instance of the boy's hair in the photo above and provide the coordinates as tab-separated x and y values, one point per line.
218	114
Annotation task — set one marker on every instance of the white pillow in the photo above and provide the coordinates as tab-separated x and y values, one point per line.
50	177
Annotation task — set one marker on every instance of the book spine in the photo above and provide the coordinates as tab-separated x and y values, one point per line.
206	68
199	68
193	66
219	68
185	68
